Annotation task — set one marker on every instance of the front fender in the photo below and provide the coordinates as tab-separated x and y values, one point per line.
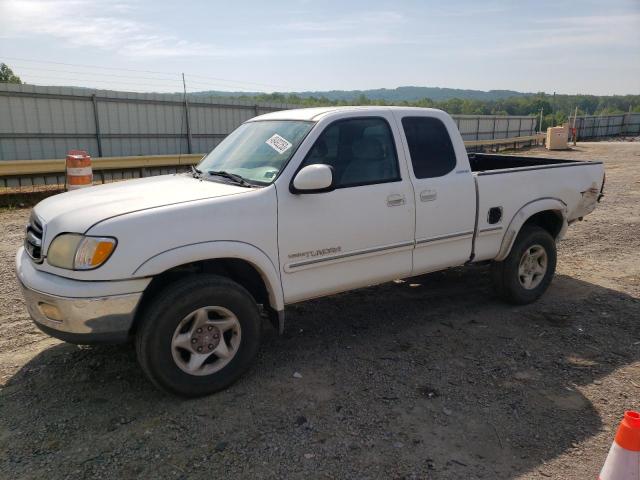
525	213
175	257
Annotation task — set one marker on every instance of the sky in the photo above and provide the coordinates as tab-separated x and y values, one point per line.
582	46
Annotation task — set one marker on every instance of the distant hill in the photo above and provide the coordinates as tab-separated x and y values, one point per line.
409	94
555	108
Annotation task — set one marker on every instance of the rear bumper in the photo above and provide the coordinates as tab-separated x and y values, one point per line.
99	317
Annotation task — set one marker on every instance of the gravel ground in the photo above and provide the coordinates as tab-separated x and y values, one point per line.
431	378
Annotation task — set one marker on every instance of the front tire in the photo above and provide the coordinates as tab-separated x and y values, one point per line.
199	335
527	271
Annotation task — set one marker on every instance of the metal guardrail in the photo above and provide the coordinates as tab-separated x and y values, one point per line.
39	167
20	173
505	141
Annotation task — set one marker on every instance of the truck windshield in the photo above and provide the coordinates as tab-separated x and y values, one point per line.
257	151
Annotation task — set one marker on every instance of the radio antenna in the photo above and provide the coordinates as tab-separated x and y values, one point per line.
185	118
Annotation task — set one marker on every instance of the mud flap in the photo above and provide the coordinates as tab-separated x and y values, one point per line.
276	318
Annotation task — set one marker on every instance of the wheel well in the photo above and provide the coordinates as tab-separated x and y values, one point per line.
238	270
550	220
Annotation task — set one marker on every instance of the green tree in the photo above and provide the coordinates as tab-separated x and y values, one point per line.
7	75
556	109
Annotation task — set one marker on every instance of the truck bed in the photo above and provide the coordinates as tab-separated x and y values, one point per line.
506	184
482	162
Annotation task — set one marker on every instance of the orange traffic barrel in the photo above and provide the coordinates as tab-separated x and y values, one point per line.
623	461
78	168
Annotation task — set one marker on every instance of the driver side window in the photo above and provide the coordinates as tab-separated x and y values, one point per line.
360	150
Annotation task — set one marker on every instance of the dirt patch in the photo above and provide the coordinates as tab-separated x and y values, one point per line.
429	378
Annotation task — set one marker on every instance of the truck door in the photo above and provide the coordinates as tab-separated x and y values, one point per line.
444	192
362	232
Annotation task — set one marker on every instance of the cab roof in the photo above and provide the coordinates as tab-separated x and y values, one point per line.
315	113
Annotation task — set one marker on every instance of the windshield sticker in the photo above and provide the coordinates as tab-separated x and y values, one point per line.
278	143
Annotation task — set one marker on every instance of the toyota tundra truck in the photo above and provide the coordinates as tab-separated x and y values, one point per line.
292	205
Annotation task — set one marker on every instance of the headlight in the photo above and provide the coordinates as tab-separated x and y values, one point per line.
78	252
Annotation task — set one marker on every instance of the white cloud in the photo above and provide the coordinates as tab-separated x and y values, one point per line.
112	26
100	24
366	21
584	34
599	21
375	28
482	9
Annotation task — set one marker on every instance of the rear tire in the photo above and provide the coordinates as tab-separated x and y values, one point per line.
199	335
527	271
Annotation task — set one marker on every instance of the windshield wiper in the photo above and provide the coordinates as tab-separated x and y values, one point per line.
231	176
196	172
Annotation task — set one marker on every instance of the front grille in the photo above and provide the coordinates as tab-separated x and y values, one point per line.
33	238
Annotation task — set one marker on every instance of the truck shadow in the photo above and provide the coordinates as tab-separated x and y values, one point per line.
406	379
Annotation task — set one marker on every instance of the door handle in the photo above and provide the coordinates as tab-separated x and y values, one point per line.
428	195
395	200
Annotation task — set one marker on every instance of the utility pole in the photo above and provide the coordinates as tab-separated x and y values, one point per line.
574	133
540	126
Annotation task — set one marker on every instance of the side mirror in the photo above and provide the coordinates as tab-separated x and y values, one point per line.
313	179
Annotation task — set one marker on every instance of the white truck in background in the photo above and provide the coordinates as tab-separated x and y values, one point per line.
292	205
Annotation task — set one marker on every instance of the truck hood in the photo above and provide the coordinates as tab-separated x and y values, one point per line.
78	210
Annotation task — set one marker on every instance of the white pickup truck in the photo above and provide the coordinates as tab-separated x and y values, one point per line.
290	206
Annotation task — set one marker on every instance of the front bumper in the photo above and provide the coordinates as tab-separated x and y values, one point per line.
83	320
105	318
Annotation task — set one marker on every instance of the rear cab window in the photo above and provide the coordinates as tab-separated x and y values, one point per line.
430	146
